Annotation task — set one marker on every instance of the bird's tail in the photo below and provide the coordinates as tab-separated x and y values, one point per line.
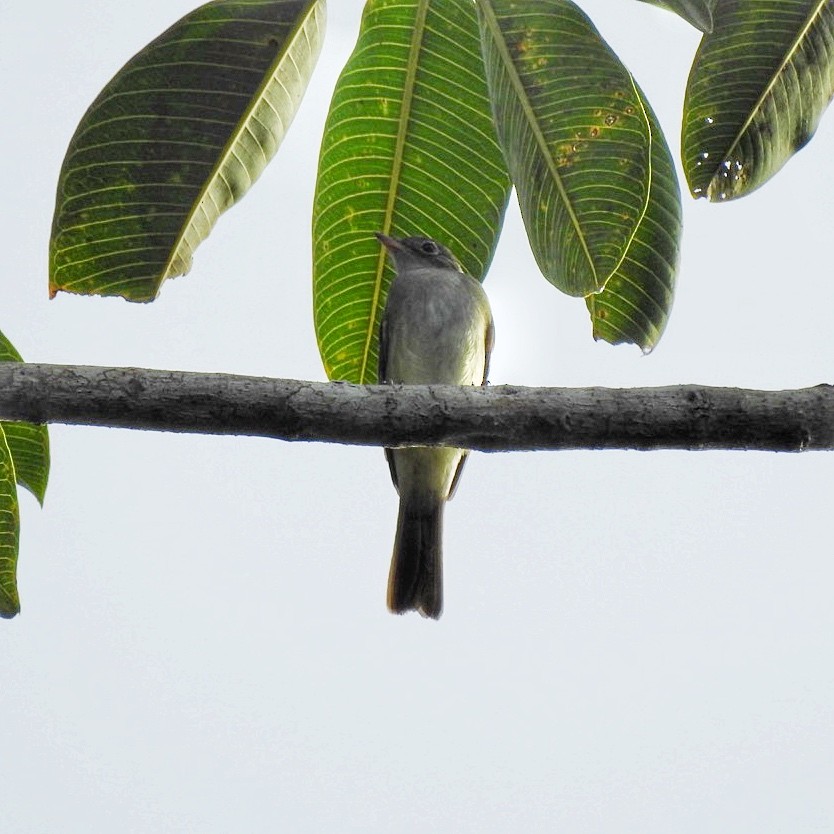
416	578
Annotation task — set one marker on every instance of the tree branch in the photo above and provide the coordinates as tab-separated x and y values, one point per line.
500	418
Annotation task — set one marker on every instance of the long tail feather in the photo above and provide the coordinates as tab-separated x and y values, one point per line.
416	578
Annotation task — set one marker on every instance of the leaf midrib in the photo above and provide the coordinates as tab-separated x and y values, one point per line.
767	91
396	170
650	165
521	92
228	149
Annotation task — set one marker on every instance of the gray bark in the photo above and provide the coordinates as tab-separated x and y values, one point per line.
496	418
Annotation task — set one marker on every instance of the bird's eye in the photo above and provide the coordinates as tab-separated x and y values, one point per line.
429	248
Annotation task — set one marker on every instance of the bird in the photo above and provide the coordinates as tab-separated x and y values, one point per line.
436	328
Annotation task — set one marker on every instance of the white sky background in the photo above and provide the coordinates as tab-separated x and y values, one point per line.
632	642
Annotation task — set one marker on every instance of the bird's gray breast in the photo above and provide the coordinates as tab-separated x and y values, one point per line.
436	322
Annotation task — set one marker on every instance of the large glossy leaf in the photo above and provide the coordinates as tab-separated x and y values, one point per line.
575	136
758	87
9	533
176	138
635	304
27	443
409	148
697	12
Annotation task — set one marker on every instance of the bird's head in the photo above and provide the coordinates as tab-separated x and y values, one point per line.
419	250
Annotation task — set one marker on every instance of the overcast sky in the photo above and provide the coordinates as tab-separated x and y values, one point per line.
632	642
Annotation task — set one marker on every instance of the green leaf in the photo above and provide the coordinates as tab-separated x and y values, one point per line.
636	302
696	12
757	90
176	138
28	443
409	148
575	134
29	446
8	352
9	533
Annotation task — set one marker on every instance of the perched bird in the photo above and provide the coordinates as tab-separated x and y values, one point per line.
436	328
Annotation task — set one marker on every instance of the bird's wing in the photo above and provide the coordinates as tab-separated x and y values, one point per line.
392	466
489	341
382	359
382	377
456	476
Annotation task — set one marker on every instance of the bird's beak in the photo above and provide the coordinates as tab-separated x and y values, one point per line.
390	243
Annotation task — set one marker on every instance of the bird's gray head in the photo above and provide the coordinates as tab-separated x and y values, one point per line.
418	251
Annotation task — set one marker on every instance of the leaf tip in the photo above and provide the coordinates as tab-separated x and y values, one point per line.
38	491
9	603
